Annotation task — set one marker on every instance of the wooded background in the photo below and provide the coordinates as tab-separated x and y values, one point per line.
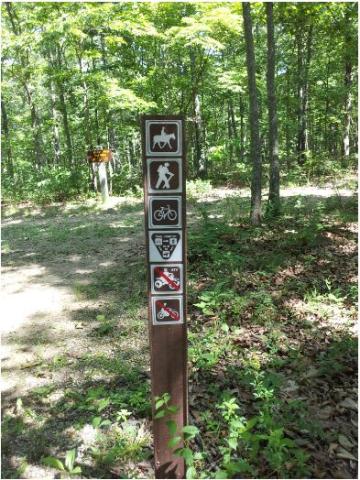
78	75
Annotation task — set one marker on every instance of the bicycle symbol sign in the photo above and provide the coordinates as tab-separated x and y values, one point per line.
165	212
166	279
167	310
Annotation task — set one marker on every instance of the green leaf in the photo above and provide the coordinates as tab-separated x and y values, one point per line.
70	459
173	409
160	414
190	431
96	422
103	403
221	474
53	463
233	443
174	441
76	470
185	453
159	403
191	472
171	424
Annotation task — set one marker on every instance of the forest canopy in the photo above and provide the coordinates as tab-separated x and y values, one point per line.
80	75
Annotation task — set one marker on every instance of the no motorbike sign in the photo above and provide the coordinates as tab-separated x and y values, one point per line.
165	227
166	279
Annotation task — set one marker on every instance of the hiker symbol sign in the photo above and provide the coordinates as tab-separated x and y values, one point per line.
164	175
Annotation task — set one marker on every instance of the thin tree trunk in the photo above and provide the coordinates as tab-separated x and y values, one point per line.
234	129
274	183
35	125
199	139
64	113
348	105
304	58
55	125
230	134
255	147
242	127
6	131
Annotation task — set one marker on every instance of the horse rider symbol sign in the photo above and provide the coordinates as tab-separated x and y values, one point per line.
163	138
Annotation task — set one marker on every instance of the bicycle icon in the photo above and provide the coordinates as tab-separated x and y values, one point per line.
165	213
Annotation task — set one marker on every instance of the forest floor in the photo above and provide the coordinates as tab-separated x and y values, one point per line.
272	337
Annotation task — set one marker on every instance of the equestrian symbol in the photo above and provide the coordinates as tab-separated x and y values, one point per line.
163	139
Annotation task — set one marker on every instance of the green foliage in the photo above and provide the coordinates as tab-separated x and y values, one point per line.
66	468
81	74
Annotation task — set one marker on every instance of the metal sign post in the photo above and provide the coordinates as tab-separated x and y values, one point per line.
165	231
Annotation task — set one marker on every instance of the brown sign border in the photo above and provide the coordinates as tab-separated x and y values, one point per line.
168	343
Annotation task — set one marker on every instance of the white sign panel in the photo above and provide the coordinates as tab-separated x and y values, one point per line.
165	246
163	138
167	310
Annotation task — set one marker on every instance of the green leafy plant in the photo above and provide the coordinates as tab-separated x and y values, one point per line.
66	468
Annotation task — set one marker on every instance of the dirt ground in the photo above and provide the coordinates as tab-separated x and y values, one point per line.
69	271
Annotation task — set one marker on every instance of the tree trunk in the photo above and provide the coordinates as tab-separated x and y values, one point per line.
35	125
7	143
242	127
234	129
304	58
64	113
255	147
103	181
55	125
199	139
348	105
274	181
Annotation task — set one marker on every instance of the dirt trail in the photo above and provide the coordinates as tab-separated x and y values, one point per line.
70	272
50	258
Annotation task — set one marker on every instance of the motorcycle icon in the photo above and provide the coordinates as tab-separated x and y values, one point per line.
161	282
167	312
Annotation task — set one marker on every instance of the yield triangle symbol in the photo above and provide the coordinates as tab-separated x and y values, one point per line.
165	243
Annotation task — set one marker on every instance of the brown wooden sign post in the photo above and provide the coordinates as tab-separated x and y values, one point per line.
165	230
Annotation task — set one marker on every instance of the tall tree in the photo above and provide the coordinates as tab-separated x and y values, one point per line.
274	181
255	146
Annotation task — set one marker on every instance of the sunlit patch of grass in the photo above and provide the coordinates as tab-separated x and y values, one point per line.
128	441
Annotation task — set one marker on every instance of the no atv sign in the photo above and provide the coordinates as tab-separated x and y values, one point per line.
165	223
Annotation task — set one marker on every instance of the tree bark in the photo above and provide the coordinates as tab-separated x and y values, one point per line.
348	104
7	143
55	125
304	58
274	181
255	147
64	113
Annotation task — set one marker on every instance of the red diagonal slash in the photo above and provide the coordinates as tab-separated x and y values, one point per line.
158	271
173	315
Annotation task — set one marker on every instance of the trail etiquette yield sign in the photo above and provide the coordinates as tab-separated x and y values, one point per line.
165	224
